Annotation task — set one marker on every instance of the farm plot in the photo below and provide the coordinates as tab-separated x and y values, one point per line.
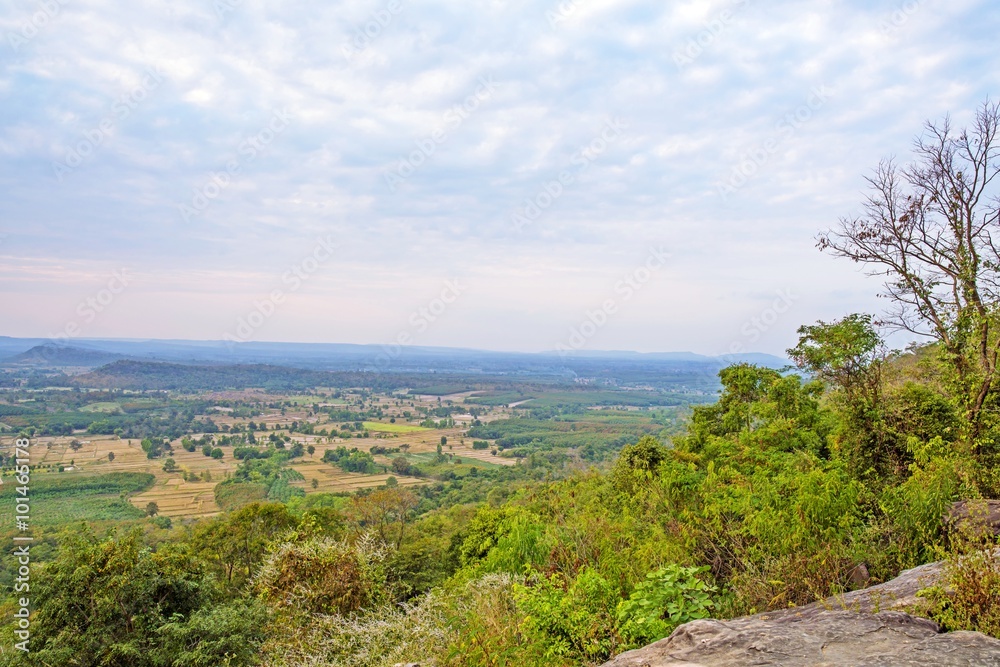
179	499
331	479
382	427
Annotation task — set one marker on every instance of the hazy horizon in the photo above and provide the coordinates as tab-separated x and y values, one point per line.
81	342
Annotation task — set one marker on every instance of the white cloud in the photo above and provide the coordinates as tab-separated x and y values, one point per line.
688	128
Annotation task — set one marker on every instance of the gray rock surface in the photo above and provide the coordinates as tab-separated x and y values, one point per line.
817	638
861	628
979	515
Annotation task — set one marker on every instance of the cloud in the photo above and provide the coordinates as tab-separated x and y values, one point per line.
366	84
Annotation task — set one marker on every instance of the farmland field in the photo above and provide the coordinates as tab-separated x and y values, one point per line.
393	428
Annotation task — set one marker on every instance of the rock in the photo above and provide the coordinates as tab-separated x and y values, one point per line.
979	515
862	628
895	595
817	638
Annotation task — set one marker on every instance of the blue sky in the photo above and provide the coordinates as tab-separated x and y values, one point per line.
331	166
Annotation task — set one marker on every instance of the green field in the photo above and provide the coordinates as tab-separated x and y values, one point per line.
57	499
103	406
382	427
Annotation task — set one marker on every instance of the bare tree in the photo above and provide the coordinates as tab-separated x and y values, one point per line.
927	229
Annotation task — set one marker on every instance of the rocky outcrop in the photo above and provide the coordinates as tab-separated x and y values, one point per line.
899	594
977	515
817	638
862	628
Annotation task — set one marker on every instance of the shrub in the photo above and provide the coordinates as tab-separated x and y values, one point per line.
669	597
323	576
968	598
575	619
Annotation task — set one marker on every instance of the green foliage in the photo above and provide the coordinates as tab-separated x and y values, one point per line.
503	540
226	635
570	619
236	544
351	460
917	507
841	352
968	598
668	597
234	496
102	602
638	464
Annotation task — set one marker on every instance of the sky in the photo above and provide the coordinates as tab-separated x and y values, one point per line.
517	175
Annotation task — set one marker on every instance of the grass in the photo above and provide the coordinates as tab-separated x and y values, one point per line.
102	406
382	427
59	498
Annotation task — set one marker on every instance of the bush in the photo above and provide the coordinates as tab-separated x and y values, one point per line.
229	634
669	597
968	598
574	620
323	576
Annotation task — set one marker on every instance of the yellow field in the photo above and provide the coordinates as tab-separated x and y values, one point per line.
394	428
179	499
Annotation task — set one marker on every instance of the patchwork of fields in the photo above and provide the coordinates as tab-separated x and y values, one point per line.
83	456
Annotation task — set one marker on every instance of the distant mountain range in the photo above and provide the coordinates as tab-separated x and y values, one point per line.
684	369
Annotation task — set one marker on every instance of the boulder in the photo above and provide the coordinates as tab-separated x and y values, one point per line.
817	638
978	515
861	628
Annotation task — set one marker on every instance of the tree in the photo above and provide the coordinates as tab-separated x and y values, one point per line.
169	465
238	542
152	509
387	511
928	230
849	356
444	440
845	353
102	602
401	465
311	449
111	456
